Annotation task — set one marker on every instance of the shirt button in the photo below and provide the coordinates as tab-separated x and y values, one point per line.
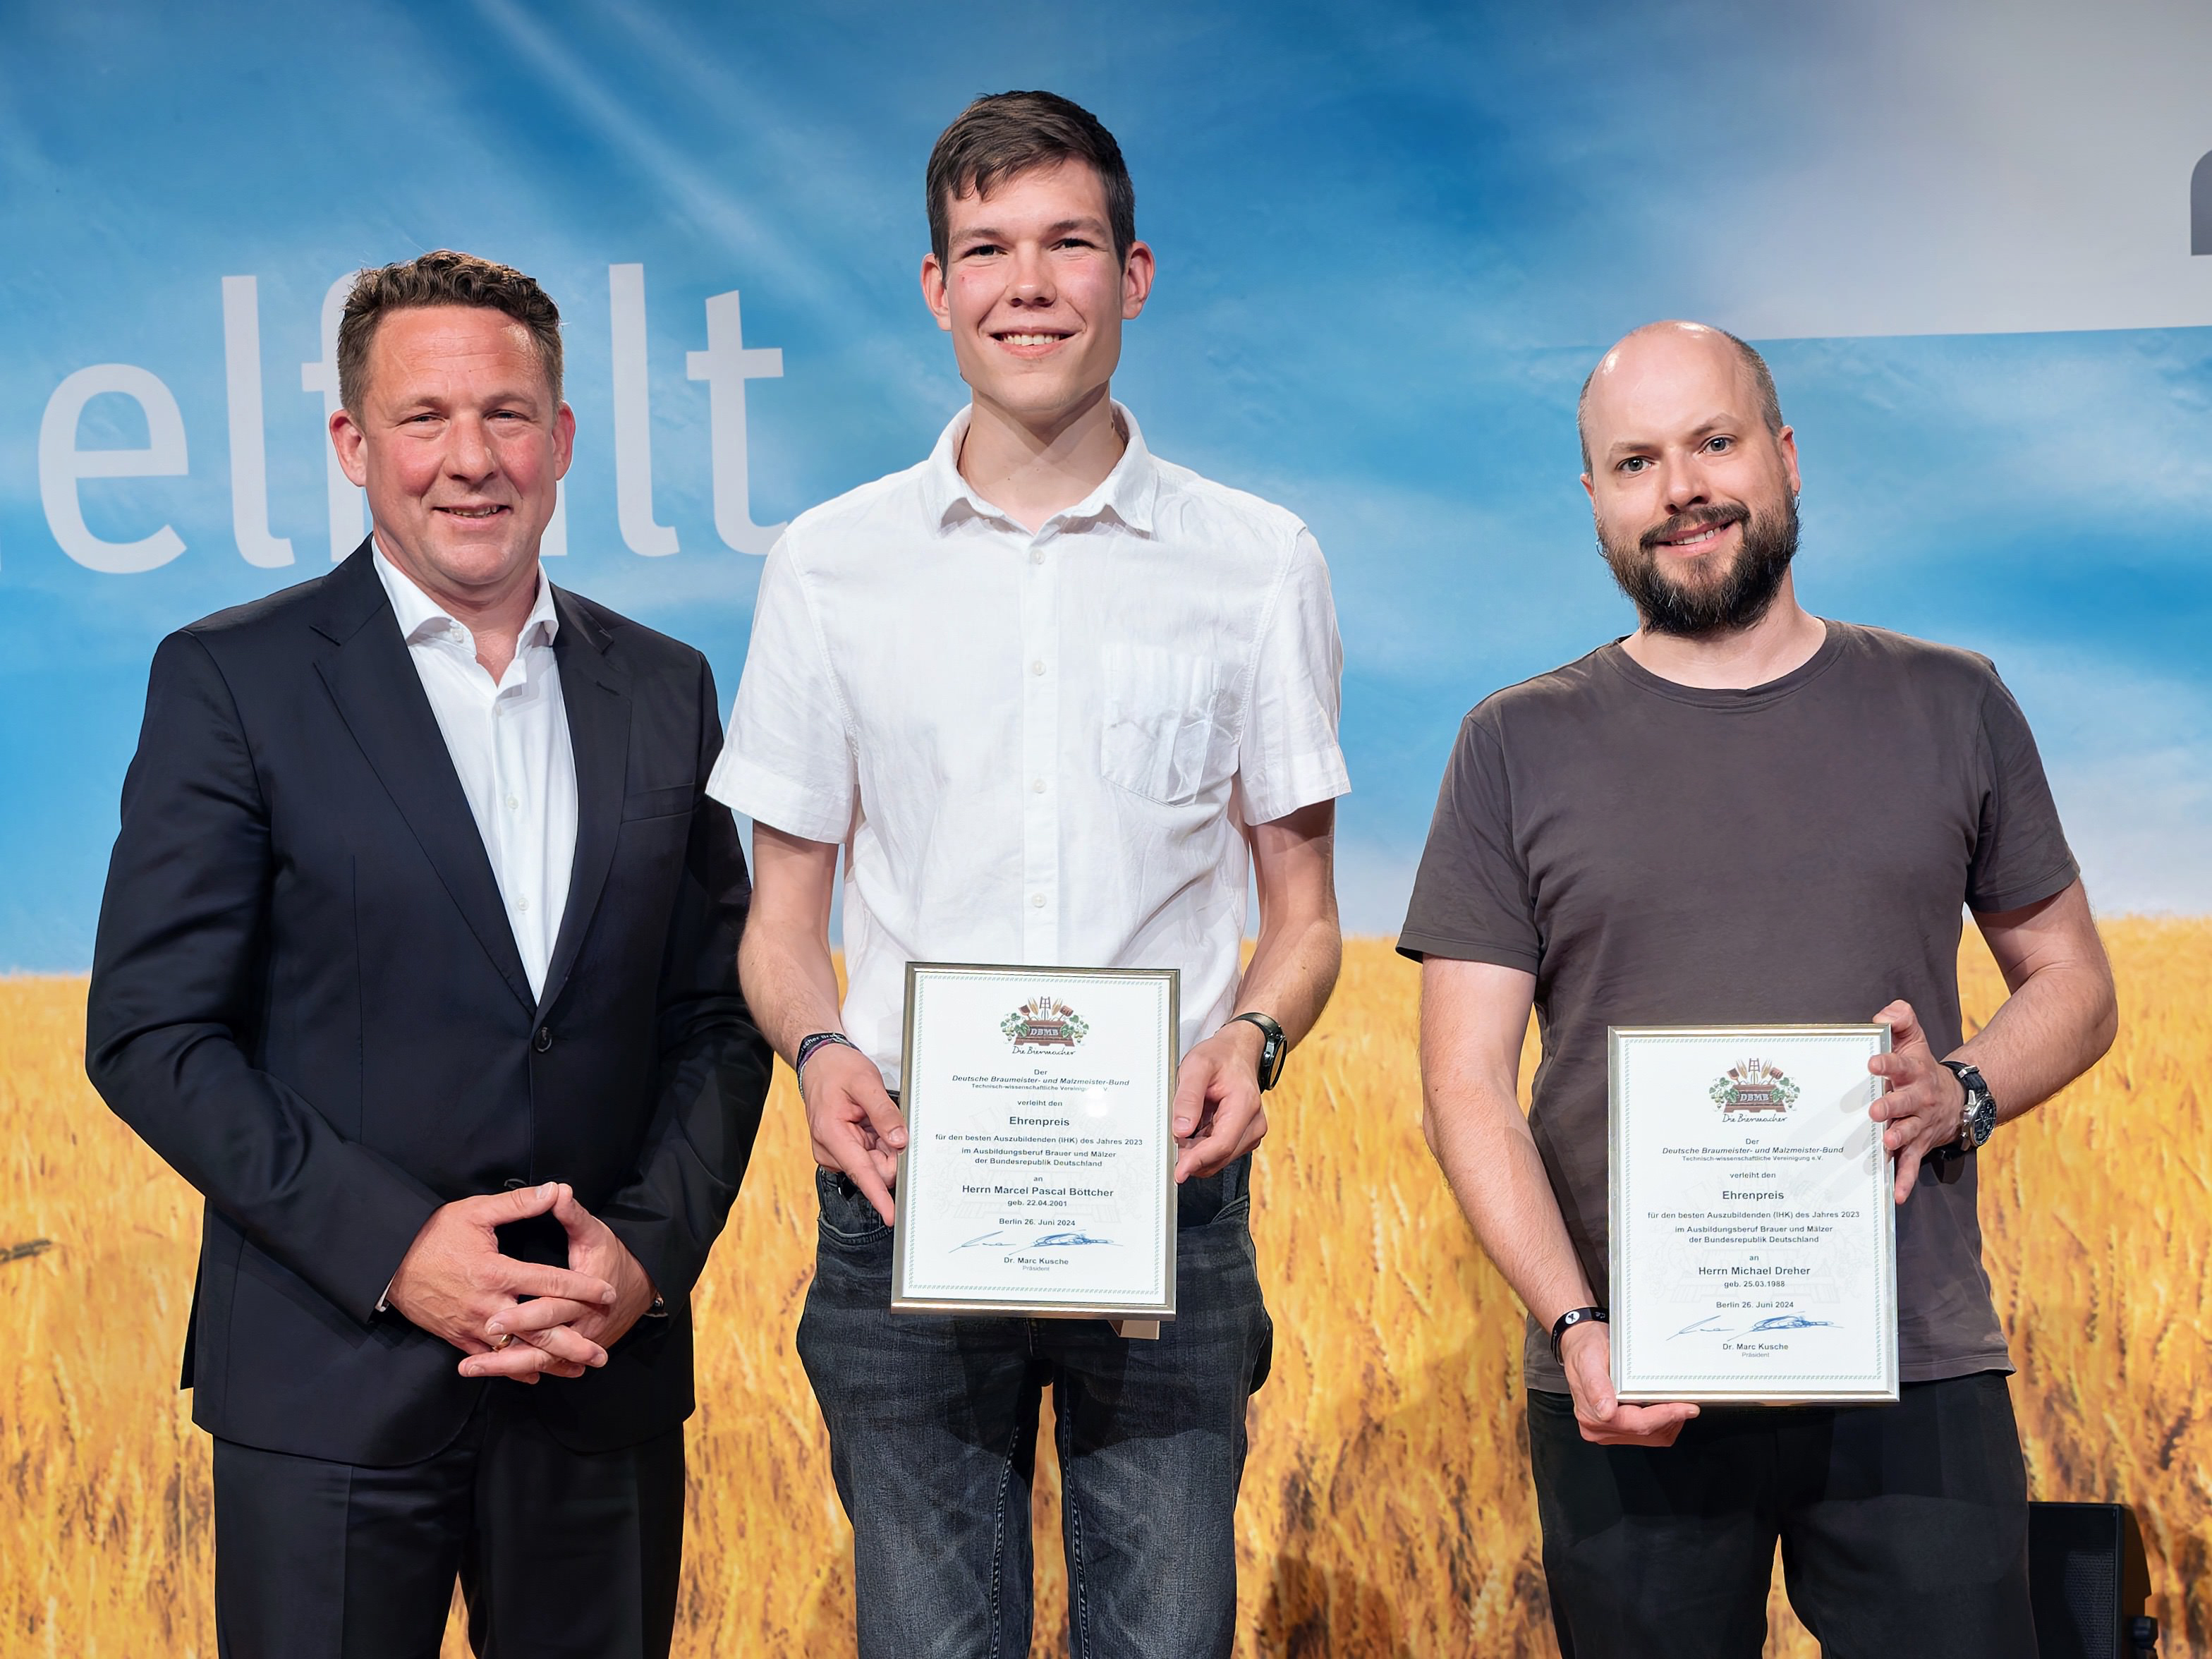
1036	900
522	904
1037	555
1036	785
1038	667
512	804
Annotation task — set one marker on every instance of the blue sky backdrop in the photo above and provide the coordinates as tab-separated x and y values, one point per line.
1392	241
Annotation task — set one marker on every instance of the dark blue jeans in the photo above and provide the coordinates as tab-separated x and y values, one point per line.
933	1441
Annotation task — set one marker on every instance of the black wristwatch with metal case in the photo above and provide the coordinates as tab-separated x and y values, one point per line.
1978	1118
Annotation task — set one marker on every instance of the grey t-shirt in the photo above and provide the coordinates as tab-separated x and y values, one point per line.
1658	854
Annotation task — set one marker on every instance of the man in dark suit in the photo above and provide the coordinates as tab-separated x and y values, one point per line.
418	958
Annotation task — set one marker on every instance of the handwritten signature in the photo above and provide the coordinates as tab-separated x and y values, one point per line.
1066	1238
1788	1321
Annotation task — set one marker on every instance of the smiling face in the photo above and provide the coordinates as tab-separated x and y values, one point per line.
1693	493
460	444
1032	294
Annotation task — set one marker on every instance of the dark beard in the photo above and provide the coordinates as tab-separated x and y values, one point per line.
1738	600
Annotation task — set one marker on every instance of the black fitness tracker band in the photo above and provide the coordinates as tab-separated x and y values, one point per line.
1569	1320
1271	1051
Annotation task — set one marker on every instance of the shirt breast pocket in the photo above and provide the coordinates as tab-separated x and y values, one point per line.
1167	734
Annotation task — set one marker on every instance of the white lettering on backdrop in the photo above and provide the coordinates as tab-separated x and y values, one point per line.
62	464
322	376
634	417
726	365
249	459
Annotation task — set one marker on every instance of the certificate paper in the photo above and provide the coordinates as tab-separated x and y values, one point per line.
1753	1237
1039	1172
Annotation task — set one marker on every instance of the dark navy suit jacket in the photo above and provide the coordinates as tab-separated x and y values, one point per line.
306	998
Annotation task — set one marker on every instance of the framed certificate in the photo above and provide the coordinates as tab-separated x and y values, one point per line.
1038	1176
1753	1235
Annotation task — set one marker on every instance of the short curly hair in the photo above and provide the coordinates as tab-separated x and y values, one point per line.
442	277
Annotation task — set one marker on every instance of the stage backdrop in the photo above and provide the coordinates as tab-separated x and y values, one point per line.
1975	241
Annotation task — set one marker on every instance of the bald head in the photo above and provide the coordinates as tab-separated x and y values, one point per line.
1692	478
1671	350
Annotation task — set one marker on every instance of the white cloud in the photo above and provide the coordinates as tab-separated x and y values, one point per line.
1983	167
1373	882
2128	752
1963	449
2141	826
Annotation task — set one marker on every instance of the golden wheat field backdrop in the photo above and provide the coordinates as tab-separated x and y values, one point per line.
1386	1511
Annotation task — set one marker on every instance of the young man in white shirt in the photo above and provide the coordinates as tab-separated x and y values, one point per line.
1055	699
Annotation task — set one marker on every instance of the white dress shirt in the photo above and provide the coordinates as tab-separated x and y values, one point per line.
1038	749
509	744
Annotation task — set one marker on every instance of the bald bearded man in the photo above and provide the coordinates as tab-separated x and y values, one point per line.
1898	784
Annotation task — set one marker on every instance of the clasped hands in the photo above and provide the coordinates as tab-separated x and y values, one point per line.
857	1127
454	1282
1919	1113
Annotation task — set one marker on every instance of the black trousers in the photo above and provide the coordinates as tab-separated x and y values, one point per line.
558	1552
1904	1529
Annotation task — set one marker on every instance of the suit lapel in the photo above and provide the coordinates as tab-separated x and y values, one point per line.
381	699
596	694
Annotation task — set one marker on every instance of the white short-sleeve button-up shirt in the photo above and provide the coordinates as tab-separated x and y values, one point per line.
1038	749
